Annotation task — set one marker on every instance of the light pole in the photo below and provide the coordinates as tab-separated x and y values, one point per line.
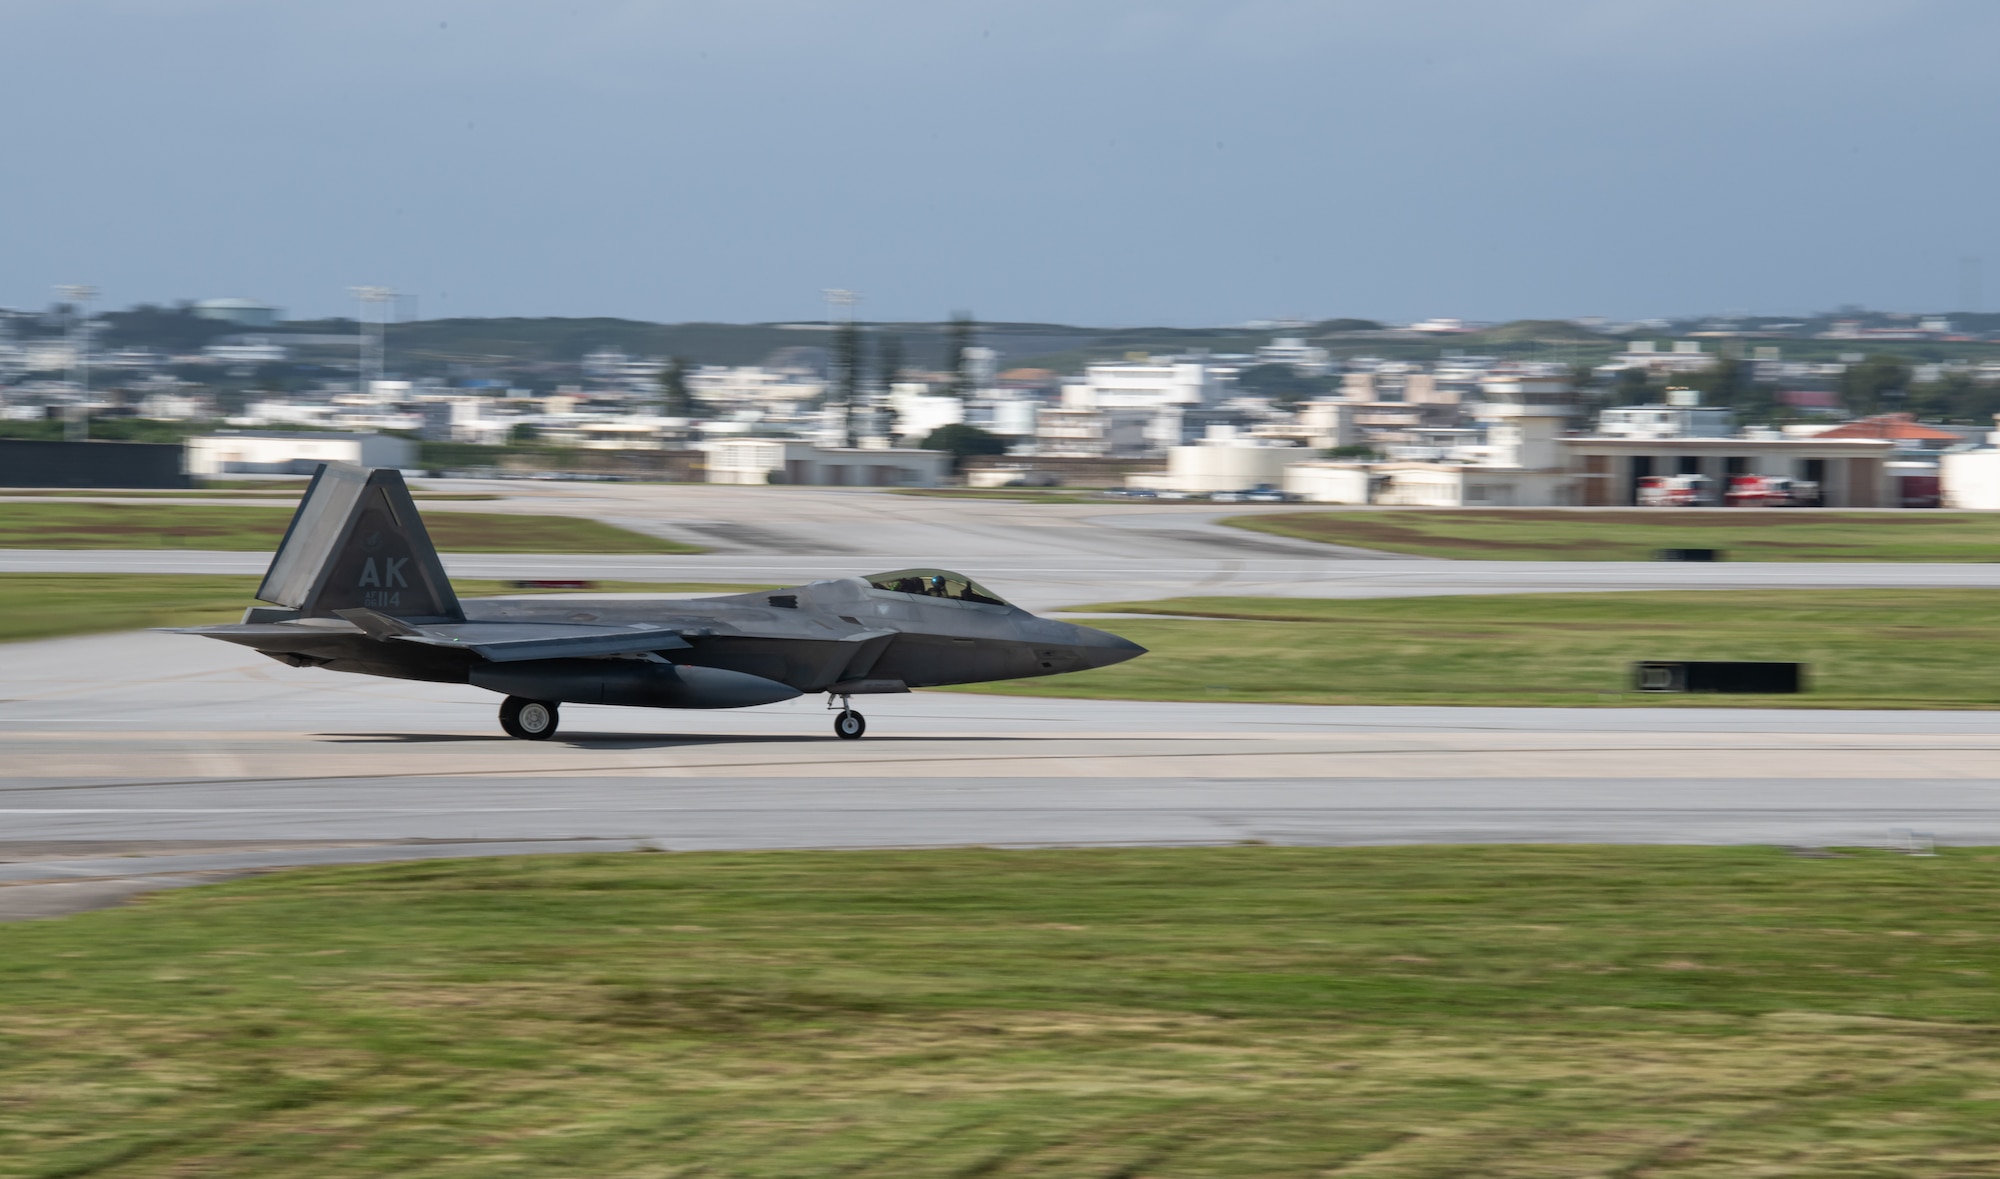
847	353
378	296
79	295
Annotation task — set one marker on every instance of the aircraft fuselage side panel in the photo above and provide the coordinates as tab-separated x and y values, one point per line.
356	586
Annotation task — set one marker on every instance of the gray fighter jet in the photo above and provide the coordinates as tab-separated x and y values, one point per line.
356	586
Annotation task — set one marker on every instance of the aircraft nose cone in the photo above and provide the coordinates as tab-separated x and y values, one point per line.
1102	648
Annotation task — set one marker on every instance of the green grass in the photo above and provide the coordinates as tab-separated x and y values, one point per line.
1743	535
258	529
1921	648
1249	1011
1925	648
51	605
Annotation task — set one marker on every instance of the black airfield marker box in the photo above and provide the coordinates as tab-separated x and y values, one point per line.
1665	676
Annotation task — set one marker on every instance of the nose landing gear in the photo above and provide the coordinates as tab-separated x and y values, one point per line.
849	725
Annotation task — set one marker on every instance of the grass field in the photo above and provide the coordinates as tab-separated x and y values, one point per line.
1924	648
51	605
258	529
1743	535
1248	1011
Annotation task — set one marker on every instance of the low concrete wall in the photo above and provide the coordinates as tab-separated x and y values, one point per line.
90	464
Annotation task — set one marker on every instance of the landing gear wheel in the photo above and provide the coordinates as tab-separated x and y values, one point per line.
849	725
530	720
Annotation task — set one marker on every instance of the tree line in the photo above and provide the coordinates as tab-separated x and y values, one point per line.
1880	383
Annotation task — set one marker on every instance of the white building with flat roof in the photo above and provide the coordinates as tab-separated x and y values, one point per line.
1685	356
801	462
1148	385
1093	433
1304	359
270	452
1666	421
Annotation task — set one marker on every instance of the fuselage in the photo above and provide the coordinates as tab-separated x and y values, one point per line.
806	637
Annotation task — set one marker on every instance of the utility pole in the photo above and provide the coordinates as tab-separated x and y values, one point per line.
380	297
79	295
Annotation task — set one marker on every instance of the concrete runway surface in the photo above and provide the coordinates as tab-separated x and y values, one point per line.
132	759
132	762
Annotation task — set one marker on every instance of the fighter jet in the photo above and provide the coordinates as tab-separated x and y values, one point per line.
356	586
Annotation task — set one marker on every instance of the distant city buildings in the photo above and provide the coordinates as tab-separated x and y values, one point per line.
1436	412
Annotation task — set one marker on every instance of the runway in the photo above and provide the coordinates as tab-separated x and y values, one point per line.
202	758
130	762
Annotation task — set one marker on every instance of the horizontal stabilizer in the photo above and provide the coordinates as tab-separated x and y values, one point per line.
250	632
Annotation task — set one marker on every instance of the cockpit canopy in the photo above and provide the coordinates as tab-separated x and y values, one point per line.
935	583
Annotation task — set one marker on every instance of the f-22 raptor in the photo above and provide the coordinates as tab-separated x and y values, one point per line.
356	586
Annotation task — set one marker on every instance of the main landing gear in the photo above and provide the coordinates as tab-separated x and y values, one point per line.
849	725
530	720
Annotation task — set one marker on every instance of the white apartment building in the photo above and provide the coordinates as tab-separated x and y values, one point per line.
1147	385
1665	421
604	431
1305	359
610	364
1093	433
918	411
286	412
1686	357
249	352
173	405
729	388
1399	383
464	418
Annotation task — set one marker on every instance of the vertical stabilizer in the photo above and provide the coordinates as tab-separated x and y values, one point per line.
357	542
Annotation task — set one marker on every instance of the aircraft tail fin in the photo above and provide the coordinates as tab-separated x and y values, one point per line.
356	542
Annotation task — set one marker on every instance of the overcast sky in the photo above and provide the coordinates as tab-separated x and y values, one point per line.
1091	161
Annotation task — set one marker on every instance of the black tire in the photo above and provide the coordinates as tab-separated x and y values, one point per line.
849	725
530	720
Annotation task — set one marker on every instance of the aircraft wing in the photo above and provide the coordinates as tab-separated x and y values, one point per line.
511	642
537	642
